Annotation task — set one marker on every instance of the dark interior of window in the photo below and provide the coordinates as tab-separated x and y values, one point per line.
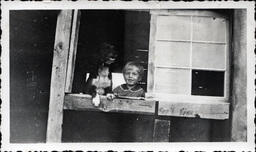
207	83
128	31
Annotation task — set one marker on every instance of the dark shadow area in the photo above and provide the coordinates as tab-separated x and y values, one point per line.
97	27
32	35
81	126
207	83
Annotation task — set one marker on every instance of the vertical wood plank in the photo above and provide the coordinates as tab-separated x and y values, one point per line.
239	91
161	131
58	77
72	51
151	54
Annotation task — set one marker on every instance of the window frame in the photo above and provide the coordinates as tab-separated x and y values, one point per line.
152	51
166	105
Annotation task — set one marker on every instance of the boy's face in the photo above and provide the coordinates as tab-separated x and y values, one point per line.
131	75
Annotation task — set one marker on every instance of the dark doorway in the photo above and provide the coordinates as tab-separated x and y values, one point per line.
97	27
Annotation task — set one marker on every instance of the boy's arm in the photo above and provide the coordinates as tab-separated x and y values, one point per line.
113	93
116	90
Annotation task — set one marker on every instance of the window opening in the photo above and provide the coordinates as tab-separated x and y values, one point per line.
126	30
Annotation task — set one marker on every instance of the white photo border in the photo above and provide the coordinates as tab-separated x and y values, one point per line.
177	146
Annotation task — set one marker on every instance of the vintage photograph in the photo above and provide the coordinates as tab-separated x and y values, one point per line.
122	75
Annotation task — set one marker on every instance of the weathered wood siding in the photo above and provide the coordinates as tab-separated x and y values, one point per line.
32	35
239	98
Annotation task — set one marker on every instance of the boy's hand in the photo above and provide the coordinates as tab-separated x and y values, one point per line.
110	96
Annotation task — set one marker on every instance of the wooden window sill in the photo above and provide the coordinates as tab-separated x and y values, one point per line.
84	102
205	110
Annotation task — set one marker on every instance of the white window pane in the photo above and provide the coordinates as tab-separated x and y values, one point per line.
174	81
209	29
173	28
172	54
208	55
117	79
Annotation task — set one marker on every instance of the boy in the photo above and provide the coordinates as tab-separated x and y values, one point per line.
133	73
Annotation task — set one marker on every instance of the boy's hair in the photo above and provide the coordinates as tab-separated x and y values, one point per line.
136	64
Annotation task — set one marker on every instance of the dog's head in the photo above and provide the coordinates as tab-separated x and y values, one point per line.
108	54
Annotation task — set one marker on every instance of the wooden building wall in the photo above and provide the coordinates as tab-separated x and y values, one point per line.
32	36
239	98
31	46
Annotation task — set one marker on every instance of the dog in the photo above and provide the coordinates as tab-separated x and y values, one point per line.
100	79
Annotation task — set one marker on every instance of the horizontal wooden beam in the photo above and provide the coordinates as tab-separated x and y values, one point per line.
84	102
206	110
78	102
203	13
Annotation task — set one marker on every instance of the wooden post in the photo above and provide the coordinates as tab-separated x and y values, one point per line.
72	51
58	77
239	97
161	131
151	54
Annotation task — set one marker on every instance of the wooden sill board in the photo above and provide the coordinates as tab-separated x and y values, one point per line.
211	110
84	102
